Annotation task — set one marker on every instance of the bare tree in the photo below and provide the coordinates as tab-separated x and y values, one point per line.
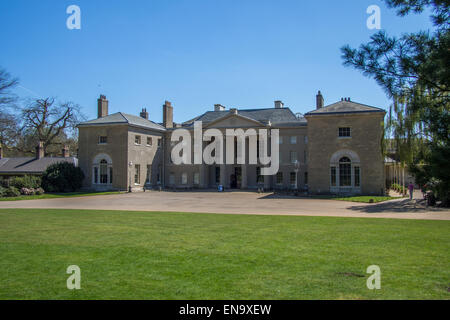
49	120
6	84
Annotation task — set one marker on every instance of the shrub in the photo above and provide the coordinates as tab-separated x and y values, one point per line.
38	191
62	177
12	192
2	191
29	182
27	191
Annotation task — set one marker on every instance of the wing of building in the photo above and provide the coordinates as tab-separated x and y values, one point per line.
332	149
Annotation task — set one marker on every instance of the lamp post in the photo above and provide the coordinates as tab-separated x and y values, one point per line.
130	164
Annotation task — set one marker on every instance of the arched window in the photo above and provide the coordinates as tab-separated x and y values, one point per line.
345	172
102	170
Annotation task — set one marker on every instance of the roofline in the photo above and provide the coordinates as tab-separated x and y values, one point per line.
343	112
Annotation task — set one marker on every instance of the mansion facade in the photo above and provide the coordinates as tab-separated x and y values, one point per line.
332	149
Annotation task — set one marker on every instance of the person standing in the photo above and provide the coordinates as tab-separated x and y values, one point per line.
411	191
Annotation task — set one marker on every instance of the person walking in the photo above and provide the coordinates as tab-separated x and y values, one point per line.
411	191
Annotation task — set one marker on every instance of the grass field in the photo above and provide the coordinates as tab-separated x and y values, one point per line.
57	195
143	255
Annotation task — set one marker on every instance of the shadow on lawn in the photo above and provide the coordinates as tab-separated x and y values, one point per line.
395	206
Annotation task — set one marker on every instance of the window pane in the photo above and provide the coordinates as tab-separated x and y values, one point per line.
196	178
137	174
280	178
293	139
103	172
292	177
333	176
110	175
293	156
345	174
357	178
95	175
184	178
344	132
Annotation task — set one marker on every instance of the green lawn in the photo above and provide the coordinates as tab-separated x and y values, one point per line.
155	255
56	195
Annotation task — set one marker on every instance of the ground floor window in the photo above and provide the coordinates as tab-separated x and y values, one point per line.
137	173
333	176
196	178
279	177
184	178
102	170
292	178
148	176
306	177
171	179
345	172
357	177
259	177
217	175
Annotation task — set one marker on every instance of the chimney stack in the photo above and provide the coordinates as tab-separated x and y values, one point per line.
144	113
279	104
167	115
319	100
65	152
102	104
219	107
40	150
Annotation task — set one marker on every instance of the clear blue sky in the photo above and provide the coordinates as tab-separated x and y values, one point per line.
194	53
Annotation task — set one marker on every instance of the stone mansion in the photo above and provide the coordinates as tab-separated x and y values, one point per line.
332	149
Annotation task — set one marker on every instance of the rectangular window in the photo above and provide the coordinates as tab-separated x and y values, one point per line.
184	178
280	140
280	158
110	175
196	178
292	178
357	177
217	175
306	177
333	176
294	156
103	140
137	139
95	175
306	139
137	173
158	176
259	177
149	174
293	139
159	142
171	179
344	132
279	177
345	174
149	141
305	156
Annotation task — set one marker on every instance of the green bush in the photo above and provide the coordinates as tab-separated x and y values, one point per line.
12	192
28	182
2	191
62	177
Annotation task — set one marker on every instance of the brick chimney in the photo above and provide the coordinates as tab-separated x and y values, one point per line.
167	115
219	107
40	150
65	152
144	113
319	100
279	104
102	104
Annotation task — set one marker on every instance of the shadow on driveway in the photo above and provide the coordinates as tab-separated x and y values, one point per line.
405	205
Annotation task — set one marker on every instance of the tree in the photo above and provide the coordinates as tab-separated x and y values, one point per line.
7	83
50	122
8	122
62	177
414	71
